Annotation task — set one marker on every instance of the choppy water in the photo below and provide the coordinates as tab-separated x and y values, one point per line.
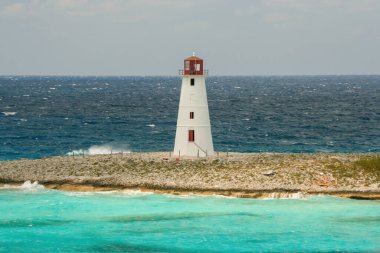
38	220
45	116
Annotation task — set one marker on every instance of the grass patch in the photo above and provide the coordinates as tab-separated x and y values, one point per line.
369	165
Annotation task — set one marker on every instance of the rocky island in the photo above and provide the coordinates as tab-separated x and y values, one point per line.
256	175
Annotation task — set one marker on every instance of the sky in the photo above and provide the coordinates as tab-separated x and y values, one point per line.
152	37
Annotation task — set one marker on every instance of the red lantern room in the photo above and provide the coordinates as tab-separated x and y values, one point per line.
193	65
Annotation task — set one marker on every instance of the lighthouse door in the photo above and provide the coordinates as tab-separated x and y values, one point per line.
191	135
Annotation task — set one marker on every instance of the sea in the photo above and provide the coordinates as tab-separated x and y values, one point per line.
34	219
44	116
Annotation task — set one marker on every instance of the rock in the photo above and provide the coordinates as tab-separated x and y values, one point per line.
269	173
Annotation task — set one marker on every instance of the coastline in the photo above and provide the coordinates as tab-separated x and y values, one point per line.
236	193
244	175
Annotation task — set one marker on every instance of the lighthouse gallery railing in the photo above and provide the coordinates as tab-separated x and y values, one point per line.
181	72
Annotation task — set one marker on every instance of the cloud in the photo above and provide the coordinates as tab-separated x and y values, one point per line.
85	7
104	36
94	7
13	9
67	7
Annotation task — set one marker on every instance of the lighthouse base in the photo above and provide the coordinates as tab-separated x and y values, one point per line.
201	146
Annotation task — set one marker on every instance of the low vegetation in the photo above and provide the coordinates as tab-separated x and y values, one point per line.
370	166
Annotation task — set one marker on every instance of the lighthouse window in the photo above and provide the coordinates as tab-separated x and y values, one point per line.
191	115
192	81
197	67
187	65
191	135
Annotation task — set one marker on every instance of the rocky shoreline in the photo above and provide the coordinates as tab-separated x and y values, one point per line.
250	175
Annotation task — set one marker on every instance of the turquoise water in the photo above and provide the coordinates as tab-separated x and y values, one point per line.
39	220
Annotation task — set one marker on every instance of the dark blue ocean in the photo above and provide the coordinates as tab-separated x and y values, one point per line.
44	116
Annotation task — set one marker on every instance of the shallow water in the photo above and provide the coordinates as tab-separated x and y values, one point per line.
39	220
46	116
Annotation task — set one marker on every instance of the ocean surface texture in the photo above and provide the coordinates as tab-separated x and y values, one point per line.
48	116
52	221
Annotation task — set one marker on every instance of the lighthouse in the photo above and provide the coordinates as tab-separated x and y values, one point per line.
193	134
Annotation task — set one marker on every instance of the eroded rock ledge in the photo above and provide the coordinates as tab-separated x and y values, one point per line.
238	174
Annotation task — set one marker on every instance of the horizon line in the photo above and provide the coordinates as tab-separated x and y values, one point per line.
238	75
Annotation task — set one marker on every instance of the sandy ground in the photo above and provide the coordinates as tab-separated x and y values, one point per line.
232	174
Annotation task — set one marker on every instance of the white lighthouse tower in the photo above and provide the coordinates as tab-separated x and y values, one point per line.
193	135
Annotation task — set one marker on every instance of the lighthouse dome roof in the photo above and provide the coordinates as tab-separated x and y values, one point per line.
192	58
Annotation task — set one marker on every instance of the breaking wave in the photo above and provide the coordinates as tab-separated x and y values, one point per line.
101	150
9	113
115	193
285	195
27	185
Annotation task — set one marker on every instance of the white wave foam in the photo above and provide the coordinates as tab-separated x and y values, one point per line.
27	185
115	193
130	193
101	150
9	113
188	196
285	195
151	125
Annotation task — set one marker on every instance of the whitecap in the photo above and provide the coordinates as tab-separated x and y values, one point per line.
9	113
151	125
101	150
